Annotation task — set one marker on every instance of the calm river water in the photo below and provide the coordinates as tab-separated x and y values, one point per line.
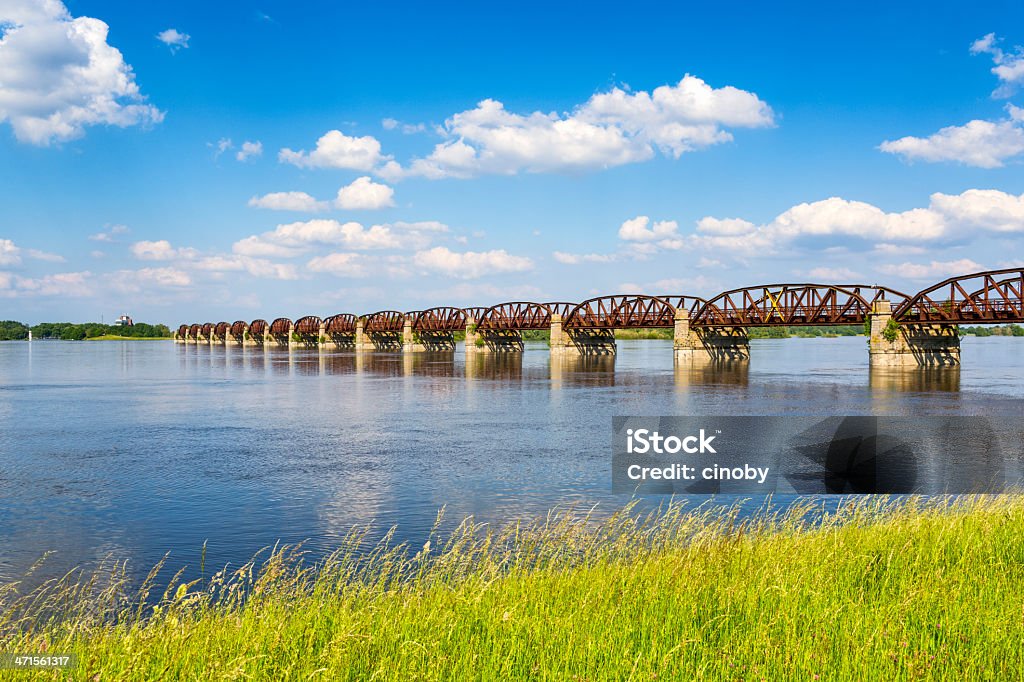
133	449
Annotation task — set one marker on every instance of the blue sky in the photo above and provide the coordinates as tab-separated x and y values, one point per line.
486	154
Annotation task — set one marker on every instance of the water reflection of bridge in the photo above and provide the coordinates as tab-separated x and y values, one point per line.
903	330
507	368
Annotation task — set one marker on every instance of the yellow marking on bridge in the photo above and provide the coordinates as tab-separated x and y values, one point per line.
775	302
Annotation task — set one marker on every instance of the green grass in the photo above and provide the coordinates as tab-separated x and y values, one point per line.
115	337
878	591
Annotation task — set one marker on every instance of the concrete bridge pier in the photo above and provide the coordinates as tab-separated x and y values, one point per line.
424	341
250	340
913	345
234	340
370	342
577	342
493	341
337	341
711	343
272	340
362	343
297	340
321	340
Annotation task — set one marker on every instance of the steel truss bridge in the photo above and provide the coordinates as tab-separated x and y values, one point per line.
989	297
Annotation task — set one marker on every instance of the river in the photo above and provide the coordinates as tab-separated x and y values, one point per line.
137	448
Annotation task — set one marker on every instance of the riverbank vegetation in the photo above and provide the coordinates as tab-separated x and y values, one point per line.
993	330
877	590
68	331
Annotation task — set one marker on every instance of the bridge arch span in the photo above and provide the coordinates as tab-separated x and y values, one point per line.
630	311
780	305
982	297
475	312
384	321
308	325
259	327
238	328
690	304
441	319
280	326
515	316
342	323
560	308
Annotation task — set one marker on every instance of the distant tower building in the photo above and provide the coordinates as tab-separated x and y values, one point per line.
124	321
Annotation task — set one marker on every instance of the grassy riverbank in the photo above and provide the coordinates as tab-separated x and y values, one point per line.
921	591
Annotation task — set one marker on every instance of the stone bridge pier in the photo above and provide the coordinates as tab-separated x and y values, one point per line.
298	339
338	341
914	345
237	338
278	339
491	340
251	339
371	341
580	342
710	343
425	341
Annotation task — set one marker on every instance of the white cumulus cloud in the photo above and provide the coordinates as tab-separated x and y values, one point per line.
341	264
173	38
611	129
249	150
946	218
646	238
726	227
62	284
58	75
982	209
11	253
294	239
160	250
1009	67
932	270
470	264
288	201
984	144
365	194
147	279
337	150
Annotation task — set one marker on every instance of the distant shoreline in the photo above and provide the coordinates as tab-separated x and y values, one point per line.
114	337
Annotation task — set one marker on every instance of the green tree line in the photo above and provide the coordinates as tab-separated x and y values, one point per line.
997	330
11	330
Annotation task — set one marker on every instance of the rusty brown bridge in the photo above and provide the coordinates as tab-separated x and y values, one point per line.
905	330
